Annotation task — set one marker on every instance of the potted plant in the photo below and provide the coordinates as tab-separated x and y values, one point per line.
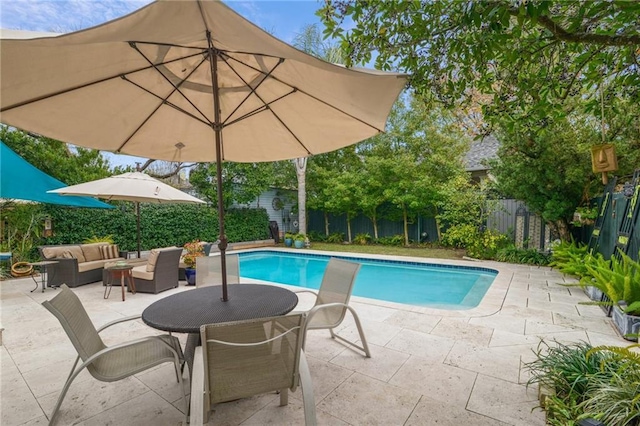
619	280
288	239
299	240
194	250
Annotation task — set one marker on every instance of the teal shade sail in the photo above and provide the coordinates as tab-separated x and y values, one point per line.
19	180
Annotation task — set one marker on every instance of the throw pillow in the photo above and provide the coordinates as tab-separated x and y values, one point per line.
67	255
153	258
109	251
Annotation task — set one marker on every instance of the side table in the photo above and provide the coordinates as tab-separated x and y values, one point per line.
121	272
44	268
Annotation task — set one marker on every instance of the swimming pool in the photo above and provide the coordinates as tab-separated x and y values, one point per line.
411	283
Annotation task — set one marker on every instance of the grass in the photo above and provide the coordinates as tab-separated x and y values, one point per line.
434	253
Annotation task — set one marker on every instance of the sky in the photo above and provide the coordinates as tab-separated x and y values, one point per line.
284	19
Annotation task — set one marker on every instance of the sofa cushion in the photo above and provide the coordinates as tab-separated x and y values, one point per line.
89	266
151	262
153	257
142	273
109	251
58	251
76	252
92	251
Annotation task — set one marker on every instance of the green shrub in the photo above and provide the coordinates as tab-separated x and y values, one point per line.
94	239
512	254
571	258
362	239
460	236
317	236
336	238
479	244
394	240
161	224
618	279
600	383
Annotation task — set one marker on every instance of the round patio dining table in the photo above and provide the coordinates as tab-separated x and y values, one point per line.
186	312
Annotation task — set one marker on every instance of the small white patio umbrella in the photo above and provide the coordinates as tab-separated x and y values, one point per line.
137	187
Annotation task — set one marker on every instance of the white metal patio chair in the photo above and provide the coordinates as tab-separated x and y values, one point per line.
332	302
246	358
208	270
108	363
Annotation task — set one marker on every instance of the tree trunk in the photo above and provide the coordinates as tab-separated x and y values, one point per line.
406	226
374	220
326	223
438	230
348	227
301	174
563	229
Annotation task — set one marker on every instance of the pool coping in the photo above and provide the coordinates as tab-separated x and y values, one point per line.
490	304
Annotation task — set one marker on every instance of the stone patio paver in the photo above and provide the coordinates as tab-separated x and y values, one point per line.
428	366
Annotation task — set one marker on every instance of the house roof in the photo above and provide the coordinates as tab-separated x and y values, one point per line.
480	151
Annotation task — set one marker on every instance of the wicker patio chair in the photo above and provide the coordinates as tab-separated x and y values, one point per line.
332	301
208	270
108	364
246	358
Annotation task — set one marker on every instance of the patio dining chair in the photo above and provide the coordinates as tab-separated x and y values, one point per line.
208	270
246	358
108	363
332	302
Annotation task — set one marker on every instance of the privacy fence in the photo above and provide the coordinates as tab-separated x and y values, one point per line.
510	217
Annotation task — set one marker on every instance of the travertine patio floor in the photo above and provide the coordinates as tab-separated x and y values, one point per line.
428	366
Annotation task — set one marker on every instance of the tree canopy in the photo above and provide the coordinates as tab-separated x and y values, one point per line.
531	56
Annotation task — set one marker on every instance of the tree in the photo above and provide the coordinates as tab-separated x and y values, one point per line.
531	56
241	182
420	152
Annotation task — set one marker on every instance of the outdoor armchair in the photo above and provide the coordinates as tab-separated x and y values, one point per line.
208	270
246	358
160	273
108	364
332	301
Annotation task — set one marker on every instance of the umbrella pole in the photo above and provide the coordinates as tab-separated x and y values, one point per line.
138	222
217	129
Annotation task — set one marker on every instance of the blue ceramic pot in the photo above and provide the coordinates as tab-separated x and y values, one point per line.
190	275
288	242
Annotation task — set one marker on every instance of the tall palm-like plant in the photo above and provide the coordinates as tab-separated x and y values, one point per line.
310	40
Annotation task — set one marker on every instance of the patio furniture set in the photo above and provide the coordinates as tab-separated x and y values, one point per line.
249	345
80	264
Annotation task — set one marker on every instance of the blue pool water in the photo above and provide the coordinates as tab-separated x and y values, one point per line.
412	283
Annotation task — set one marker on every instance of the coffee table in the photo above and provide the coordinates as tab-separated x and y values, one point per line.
119	272
187	311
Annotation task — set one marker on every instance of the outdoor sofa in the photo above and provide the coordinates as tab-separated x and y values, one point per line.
78	264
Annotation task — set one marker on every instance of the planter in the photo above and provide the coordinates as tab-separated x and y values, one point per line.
190	275
298	244
21	269
288	242
593	292
626	324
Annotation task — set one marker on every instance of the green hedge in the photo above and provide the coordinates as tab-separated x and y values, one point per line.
160	225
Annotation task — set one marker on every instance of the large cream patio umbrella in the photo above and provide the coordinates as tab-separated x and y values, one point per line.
137	187
190	80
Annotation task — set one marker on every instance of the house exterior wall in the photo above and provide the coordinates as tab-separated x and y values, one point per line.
282	216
